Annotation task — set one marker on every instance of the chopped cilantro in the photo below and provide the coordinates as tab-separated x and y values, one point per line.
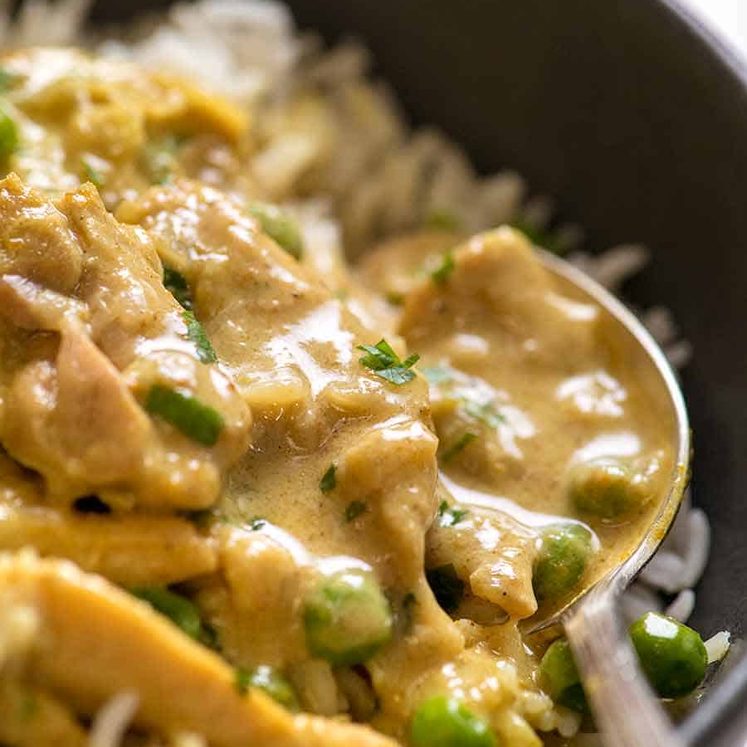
9	137
329	479
449	516
194	419
257	523
209	637
451	451
447	587
540	237
180	610
385	363
279	226
354	510
485	413
196	334
443	219
437	374
271	682
242	681
92	174
395	298
441	274
177	284
160	158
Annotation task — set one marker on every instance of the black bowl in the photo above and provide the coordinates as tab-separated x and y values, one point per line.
635	117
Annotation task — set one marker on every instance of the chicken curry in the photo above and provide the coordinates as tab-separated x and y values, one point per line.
281	500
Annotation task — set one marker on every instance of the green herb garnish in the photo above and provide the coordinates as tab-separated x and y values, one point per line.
441	274
9	138
449	453
160	158
395	298
329	479
194	419
257	523
278	226
449	516
447	587
180	610
437	374
354	510
196	333
242	680
385	363
539	237
93	175
271	682
442	219
485	413
177	284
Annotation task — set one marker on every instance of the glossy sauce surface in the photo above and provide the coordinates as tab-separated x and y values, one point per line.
314	463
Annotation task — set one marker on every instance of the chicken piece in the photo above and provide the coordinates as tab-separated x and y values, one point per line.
87	118
497	290
393	470
127	549
75	421
397	266
491	552
35	239
96	641
75	413
262	583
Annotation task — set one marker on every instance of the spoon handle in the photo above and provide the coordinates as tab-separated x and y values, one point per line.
624	706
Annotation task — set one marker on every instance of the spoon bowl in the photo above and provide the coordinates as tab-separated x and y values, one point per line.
624	706
627	569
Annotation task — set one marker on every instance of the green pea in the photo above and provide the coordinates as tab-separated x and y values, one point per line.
270	681
278	226
445	722
9	139
672	655
562	560
560	679
346	617
180	610
606	488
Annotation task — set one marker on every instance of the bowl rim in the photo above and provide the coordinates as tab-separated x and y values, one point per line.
713	721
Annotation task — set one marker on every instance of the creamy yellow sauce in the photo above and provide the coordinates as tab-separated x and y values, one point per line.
184	403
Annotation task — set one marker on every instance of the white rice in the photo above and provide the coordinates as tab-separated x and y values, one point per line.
717	646
112	720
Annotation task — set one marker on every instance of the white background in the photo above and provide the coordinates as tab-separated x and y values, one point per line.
728	17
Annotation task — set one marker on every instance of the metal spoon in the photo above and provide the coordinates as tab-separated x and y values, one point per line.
624	706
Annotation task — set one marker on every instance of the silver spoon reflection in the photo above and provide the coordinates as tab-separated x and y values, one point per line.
625	708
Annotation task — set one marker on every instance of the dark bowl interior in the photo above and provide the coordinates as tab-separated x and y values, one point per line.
635	118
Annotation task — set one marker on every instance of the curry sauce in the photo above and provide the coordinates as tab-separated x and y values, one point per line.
283	500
